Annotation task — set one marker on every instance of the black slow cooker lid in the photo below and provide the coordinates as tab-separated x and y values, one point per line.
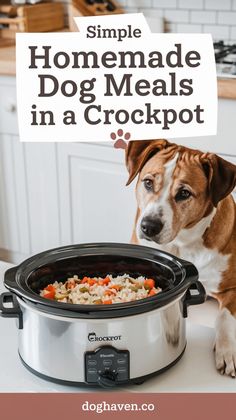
172	274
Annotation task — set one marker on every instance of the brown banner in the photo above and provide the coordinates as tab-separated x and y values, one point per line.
118	406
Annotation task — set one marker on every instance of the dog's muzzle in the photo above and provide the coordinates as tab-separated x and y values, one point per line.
151	227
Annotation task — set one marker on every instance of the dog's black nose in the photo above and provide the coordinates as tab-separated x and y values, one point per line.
151	227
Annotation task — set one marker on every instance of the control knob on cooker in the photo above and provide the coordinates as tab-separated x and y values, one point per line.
107	379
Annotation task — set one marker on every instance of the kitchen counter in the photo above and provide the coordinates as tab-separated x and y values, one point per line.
195	372
226	87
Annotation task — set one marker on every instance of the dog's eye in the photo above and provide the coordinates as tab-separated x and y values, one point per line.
148	184
182	194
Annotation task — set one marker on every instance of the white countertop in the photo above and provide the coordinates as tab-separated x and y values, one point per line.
195	372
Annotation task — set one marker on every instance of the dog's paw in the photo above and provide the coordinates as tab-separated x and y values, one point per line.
225	357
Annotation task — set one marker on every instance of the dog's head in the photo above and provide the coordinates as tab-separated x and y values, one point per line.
176	187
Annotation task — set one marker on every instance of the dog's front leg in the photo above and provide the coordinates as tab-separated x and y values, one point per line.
225	343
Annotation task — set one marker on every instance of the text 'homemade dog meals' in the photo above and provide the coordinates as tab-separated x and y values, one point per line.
49	85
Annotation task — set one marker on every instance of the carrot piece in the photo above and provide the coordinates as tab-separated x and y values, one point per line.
51	291
152	293
106	281
49	295
107	302
91	282
50	288
86	280
149	283
109	293
115	286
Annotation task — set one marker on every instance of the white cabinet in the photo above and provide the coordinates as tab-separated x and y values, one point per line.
29	206
224	142
56	194
8	117
95	205
42	193
14	211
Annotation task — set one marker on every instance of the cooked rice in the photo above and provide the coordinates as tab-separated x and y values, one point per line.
79	291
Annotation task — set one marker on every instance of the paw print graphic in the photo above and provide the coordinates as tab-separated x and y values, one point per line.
119	138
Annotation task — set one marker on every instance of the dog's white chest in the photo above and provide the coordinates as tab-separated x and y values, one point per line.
209	263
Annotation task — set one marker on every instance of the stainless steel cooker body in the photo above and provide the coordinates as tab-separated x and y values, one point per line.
109	346
56	346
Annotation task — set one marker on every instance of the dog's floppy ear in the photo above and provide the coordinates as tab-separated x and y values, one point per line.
138	152
221	177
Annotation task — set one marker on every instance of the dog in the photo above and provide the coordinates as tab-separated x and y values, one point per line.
185	207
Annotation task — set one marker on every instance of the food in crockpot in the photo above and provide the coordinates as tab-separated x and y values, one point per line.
99	290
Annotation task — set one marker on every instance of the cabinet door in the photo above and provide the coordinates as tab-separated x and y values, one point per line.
95	204
14	226
8	106
29	205
223	141
42	190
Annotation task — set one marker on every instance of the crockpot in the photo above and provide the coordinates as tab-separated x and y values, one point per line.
103	345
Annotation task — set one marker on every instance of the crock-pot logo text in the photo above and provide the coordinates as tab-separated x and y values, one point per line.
115	72
93	337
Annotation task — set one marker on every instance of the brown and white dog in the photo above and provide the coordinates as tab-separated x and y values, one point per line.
185	208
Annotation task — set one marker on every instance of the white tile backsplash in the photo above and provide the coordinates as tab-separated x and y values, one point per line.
202	16
139	3
218	4
167	4
155	13
227	18
217	17
191	4
176	15
187	28
218	32
233	33
133	10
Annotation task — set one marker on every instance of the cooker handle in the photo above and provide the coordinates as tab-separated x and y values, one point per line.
195	295
191	271
11	312
10	276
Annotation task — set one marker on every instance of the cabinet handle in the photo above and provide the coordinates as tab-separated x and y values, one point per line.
10	107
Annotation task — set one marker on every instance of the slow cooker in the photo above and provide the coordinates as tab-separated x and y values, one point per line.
105	345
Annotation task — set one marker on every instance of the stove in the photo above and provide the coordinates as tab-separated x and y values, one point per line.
225	56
